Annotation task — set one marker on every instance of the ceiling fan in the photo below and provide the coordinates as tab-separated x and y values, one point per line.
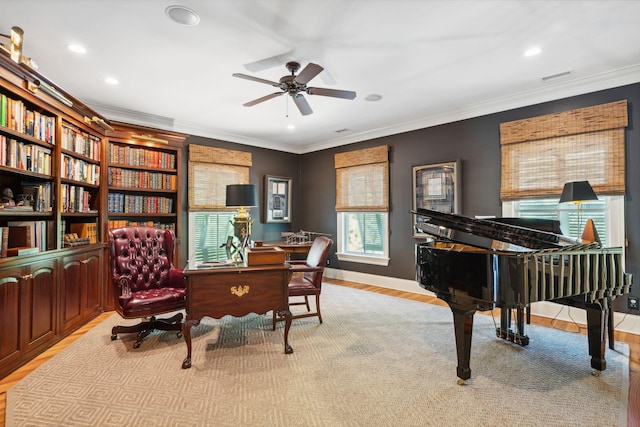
296	86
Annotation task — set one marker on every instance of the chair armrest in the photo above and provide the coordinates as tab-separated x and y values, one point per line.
176	278
304	268
297	262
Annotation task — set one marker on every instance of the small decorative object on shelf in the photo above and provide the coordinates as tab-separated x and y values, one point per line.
72	239
7	197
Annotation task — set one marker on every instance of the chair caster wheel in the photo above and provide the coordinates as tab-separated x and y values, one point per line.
179	334
136	345
114	337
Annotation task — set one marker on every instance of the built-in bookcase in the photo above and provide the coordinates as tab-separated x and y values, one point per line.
144	178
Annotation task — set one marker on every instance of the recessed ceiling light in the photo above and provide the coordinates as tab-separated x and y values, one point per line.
291	126
76	48
532	51
111	81
182	15
373	97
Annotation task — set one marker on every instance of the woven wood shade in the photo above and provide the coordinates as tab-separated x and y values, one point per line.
210	171
578	145
362	180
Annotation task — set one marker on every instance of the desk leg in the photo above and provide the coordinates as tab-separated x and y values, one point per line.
186	333
287	324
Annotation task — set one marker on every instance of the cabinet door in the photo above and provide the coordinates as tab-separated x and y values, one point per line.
10	314
93	275
71	284
38	304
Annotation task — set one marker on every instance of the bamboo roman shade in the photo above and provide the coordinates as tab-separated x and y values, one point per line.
210	171
362	180
541	154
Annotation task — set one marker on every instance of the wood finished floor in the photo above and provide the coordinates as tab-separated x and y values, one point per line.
633	340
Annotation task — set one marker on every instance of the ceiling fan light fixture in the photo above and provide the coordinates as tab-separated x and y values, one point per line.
182	15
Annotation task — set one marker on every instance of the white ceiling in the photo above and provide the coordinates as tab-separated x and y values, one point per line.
431	61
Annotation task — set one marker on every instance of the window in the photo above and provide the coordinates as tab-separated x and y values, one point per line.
607	214
208	232
362	204
362	237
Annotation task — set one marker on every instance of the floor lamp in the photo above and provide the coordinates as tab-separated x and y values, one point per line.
577	192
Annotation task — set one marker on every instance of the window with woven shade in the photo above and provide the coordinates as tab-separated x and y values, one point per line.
541	154
362	205
210	221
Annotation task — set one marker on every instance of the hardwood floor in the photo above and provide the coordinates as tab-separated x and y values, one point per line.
632	340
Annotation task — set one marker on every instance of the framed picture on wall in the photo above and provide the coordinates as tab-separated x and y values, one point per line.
277	196
436	187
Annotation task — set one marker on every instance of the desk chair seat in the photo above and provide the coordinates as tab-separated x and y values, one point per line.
145	283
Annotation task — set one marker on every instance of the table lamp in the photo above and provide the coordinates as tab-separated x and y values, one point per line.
577	192
242	196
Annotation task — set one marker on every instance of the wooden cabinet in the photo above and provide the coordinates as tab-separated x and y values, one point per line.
27	310
80	288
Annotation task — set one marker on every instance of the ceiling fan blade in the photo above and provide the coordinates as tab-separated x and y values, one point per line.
264	98
309	72
266	63
345	94
302	104
256	79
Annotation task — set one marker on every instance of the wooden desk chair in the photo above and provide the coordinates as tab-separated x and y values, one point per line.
306	277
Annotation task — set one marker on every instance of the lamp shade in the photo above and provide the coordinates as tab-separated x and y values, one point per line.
577	191
241	195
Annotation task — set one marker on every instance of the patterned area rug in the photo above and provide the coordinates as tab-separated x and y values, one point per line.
375	361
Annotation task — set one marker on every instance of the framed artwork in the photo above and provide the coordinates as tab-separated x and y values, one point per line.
277	196
436	187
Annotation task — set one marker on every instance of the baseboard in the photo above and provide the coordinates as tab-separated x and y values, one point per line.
629	323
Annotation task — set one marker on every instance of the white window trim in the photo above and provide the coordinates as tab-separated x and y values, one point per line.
361	258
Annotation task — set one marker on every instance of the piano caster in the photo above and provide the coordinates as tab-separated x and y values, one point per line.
460	381
596	373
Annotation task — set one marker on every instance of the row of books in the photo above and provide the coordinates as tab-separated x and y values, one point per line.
79	170
25	156
141	179
129	203
15	115
74	198
88	231
39	195
134	156
73	139
119	223
23	238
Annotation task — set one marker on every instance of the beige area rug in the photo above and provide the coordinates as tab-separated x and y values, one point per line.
376	361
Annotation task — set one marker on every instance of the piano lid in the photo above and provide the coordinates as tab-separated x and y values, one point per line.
488	234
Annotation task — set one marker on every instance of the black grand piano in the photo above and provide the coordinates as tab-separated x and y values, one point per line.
481	264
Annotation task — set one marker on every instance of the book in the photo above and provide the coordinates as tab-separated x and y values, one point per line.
4	241
22	250
20	236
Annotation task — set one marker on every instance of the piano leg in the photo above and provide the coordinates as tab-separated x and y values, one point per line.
610	326
463	326
596	324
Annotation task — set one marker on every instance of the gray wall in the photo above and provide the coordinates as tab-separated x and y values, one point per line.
476	142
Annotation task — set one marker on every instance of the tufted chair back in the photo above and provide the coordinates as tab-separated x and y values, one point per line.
144	279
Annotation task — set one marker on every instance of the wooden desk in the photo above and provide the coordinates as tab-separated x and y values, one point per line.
236	291
291	248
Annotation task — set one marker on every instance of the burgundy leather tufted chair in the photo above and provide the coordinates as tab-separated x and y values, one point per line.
308	281
145	283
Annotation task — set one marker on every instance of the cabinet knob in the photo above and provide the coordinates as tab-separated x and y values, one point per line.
85	261
27	277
